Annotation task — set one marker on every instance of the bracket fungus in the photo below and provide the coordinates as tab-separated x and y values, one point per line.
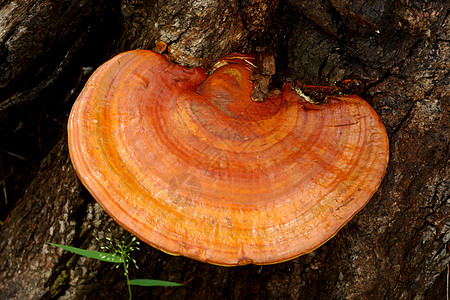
186	161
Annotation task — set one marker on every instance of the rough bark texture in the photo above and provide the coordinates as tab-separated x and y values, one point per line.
395	248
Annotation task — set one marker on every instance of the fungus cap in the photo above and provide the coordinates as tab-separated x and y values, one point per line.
187	162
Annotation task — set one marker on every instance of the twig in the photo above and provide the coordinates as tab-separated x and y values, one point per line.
3	182
448	276
13	154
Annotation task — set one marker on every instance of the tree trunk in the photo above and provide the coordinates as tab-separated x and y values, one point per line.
395	248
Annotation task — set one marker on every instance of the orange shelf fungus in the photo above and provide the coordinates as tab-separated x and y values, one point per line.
187	162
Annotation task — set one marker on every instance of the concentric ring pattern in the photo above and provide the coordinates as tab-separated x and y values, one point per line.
189	164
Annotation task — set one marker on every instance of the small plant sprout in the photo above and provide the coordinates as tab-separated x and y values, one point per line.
118	251
123	248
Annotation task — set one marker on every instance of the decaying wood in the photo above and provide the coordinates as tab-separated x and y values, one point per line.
396	247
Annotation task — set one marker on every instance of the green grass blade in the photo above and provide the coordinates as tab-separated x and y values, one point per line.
109	257
151	282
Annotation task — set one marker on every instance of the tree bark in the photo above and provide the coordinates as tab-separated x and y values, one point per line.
395	248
